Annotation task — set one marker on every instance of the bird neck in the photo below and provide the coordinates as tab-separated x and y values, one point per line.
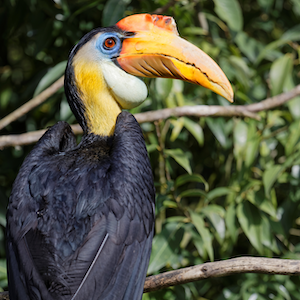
99	109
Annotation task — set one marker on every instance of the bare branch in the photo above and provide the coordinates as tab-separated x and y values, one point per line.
223	268
275	101
151	116
4	296
196	111
22	110
27	138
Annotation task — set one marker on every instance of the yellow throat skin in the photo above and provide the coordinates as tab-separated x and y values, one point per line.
100	107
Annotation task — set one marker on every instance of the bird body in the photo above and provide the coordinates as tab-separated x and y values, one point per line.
72	201
80	218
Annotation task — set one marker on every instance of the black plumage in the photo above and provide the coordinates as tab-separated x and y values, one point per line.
80	213
80	218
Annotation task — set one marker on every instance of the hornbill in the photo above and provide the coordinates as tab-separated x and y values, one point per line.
80	217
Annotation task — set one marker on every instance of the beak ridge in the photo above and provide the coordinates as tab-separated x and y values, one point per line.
156	50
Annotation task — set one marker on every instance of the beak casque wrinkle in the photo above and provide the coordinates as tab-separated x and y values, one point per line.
156	50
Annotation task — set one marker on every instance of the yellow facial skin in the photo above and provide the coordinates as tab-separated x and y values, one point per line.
156	50
101	109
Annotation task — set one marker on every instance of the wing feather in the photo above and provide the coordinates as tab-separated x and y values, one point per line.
80	218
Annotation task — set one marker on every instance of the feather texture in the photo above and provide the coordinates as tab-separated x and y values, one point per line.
81	217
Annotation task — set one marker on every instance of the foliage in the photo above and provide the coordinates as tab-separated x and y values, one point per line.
225	187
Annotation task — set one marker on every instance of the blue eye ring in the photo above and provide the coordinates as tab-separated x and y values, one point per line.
109	44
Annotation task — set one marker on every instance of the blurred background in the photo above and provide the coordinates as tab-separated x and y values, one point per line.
226	187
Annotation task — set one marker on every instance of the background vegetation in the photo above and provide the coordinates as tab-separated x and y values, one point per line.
226	187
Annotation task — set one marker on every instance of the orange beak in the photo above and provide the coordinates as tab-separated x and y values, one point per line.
155	50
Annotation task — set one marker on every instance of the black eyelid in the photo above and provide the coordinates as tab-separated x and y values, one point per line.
129	34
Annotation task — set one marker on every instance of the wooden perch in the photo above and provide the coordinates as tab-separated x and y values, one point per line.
223	268
150	116
34	102
217	269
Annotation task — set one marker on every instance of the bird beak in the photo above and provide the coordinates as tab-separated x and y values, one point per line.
153	48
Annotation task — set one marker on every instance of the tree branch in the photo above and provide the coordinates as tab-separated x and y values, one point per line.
275	101
227	267
27	138
196	111
223	268
151	116
4	296
28	106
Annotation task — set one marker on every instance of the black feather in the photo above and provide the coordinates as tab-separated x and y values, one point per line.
68	202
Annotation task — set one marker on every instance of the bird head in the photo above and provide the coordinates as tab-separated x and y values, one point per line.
101	75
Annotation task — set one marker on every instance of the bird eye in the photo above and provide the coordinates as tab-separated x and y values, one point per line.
109	43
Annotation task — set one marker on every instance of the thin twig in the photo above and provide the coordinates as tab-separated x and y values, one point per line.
28	106
223	268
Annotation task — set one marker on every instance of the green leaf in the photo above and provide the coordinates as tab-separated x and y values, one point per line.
218	192
195	129
230	12
231	222
204	233
261	202
213	209
240	133
250	220
268	239
3	271
266	4
151	148
198	242
52	75
294	107
248	45
192	193
170	204
281	68
165	246
252	144
294	134
194	31
113	11
163	87
217	126
292	34
191	178
283	291
179	156
242	71
264	150
216	215
178	125
293	104
270	176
